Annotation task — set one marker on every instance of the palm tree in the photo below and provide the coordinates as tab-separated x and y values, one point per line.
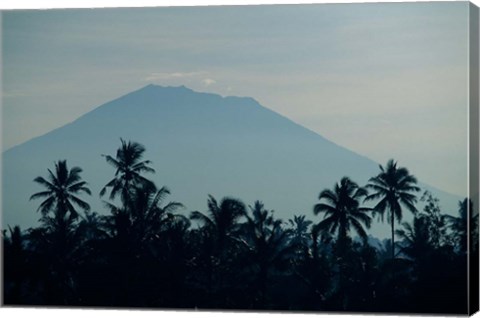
58	240
145	219
62	188
216	237
315	234
137	234
300	233
92	226
343	212
267	244
395	188
300	227
459	224
221	219
14	261
417	239
129	168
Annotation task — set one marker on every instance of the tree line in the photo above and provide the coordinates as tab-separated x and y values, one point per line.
146	252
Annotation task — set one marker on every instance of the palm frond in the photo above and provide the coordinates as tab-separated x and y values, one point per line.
322	207
199	216
329	196
41	194
45	183
359	228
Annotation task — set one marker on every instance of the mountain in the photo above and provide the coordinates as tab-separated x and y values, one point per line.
199	144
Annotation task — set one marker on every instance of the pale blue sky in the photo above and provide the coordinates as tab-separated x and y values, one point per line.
385	80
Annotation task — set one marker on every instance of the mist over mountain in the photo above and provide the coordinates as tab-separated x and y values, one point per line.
199	144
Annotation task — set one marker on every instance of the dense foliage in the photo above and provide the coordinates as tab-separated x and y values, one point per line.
147	252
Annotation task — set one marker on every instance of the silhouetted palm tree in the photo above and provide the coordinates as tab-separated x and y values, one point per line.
14	265
216	238
221	219
129	168
92	226
62	188
145	217
459	224
300	227
315	234
136	241
300	233
416	239
343	212
267	244
394	187
58	241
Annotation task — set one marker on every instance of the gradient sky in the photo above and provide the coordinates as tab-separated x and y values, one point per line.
385	80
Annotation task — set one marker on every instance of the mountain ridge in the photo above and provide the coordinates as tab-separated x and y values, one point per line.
221	145
189	90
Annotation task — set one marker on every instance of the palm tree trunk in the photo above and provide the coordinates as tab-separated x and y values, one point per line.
315	249
393	237
263	285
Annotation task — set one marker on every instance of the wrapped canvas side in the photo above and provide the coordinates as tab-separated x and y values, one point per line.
473	263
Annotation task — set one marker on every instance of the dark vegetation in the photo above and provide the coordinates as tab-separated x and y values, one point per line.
147	252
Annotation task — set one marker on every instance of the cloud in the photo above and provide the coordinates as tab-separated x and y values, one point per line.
174	75
198	76
208	81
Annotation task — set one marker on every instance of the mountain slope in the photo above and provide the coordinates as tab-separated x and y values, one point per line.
200	144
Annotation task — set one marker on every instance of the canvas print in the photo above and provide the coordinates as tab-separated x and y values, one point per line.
294	158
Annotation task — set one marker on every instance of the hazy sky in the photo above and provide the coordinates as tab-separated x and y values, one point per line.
385	80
